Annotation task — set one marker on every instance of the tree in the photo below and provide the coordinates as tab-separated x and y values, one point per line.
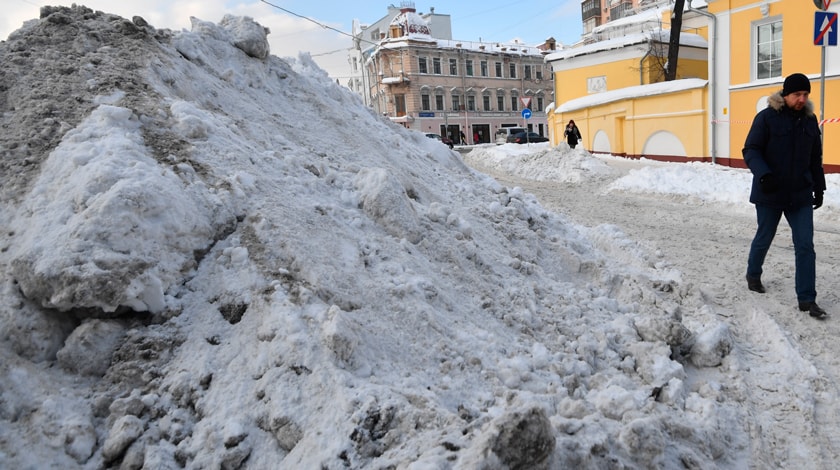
674	40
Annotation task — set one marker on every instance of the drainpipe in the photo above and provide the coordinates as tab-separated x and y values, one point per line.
713	78
642	65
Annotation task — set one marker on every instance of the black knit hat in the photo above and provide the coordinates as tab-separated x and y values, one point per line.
796	82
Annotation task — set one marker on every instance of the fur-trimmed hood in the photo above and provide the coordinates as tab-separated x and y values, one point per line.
777	102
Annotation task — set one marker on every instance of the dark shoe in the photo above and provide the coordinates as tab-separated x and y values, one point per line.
754	284
813	309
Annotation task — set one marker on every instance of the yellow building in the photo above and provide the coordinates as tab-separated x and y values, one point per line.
609	86
756	54
615	92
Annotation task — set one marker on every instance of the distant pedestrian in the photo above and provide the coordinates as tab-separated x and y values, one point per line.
572	134
463	138
783	150
475	137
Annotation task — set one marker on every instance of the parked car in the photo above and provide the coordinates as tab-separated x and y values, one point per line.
503	133
442	139
526	137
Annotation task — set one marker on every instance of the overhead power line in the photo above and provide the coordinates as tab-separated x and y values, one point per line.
325	26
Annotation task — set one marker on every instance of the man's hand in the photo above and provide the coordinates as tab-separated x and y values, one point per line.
818	200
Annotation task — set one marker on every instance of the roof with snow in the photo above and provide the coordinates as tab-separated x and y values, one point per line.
658	35
631	92
412	23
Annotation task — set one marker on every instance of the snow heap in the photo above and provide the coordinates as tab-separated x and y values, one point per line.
216	258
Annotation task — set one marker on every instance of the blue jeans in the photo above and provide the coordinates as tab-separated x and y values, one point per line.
801	221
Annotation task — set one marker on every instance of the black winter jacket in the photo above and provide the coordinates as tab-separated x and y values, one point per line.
787	144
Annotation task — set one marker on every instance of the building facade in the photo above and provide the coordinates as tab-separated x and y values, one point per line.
749	55
447	87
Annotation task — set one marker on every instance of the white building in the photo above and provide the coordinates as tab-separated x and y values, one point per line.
407	67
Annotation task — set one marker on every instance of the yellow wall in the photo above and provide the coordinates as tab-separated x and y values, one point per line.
572	84
630	123
799	54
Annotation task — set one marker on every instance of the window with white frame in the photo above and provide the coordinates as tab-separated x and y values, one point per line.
436	65
498	70
512	71
483	68
767	41
439	102
456	102
453	66
469	67
486	101
422	65
425	102
500	101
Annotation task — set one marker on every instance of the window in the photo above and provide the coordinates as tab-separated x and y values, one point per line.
456	103
436	66
439	102
453	66
500	102
483	68
486	102
399	105
425	102
512	71
527	71
539	74
498	70
423	67
540	103
768	50
471	102
469	67
514	102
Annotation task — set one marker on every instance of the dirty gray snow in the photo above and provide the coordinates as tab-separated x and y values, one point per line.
212	257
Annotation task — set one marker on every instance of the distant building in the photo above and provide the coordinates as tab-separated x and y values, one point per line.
595	13
407	67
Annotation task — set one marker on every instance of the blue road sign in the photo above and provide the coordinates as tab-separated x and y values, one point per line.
825	28
526	113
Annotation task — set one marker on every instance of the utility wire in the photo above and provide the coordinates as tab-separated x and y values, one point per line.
325	26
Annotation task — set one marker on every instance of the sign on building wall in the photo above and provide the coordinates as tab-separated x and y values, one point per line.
596	84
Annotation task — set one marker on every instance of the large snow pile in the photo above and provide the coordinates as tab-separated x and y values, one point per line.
212	257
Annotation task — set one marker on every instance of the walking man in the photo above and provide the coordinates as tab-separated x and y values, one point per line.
783	151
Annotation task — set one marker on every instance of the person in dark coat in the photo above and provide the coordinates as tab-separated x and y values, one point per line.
783	150
572	134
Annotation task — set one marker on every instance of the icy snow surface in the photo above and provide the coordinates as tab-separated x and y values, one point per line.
212	257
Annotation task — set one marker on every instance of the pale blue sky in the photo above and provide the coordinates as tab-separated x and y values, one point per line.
530	21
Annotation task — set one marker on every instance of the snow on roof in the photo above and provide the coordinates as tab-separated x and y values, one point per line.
661	35
392	80
645	16
631	92
639	18
412	23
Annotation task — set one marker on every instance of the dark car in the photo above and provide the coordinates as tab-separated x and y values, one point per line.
526	137
442	139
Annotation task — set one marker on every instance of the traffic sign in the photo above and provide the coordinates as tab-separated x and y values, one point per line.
825	28
822	4
526	113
